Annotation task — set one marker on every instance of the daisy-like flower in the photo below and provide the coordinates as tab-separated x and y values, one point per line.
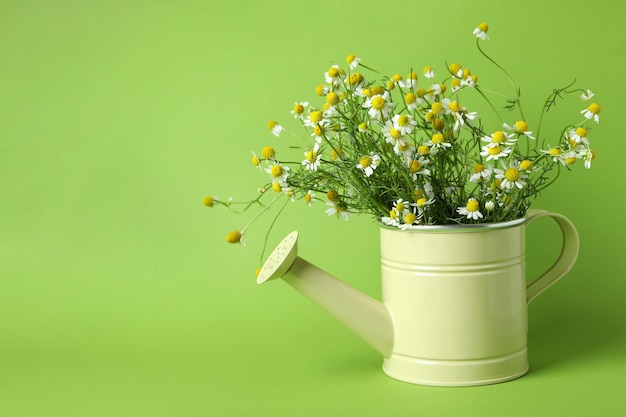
309	198
338	208
521	128
236	236
587	95
275	127
481	173
278	173
499	138
495	151
353	61
511	176
423	203
555	153
490	205
315	117
333	75
368	164
471	210
592	112
391	133
429	73
458	112
210	200
312	158
438	142
378	105
588	155
404	123
411	101
256	161
418	167
298	109
400	207
481	31
578	135
410	218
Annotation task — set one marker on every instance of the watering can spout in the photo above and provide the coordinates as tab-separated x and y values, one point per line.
367	317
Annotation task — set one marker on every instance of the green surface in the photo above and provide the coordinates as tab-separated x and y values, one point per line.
118	295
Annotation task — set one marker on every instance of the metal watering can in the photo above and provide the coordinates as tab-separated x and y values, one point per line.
454	298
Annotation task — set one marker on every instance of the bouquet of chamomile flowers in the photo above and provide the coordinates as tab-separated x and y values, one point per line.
408	152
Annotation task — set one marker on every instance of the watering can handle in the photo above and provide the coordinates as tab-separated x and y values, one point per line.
566	259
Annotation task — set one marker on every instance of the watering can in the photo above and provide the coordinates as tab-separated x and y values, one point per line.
454	298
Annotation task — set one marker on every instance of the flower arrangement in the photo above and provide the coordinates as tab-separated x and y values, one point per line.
410	153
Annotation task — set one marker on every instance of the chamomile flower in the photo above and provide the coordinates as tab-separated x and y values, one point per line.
411	101
511	176
400	207
378	106
404	123
587	95
578	135
256	161
391	133
236	236
210	200
592	112
471	210
309	198
410	82
418	167
338	208
298	109
429	73
275	127
315	117
312	158
493	152
353	61
368	164
412	217
481	173
438	142
588	155
555	153
333	75
499	138
521	128
422	204
278	173
481	31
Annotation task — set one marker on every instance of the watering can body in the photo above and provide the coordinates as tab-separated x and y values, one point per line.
454	308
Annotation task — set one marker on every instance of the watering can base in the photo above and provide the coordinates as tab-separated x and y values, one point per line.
457	373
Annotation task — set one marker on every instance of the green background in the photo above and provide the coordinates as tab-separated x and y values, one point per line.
118	294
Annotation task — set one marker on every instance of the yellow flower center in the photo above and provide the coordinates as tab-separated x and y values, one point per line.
594	108
350	58
393	214
333	72
234	236
438	124
308	197
520	126
436	108
365	161
426	70
403	120
332	98
277	187
332	195
395	133
498	137
410	218
378	102
472	205
454	68
512	174
414	166
377	90
316	116
478	168
356	78
582	132
421	92
418	194
272	124
526	165
336	154
268	152
318	130
454	106
311	156
554	151
276	171
437	138
396	78
298	108
494	150
455	83
367	92
320	90
255	161
484	27
570	160
400	207
410	98
208	201
423	150
412	75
